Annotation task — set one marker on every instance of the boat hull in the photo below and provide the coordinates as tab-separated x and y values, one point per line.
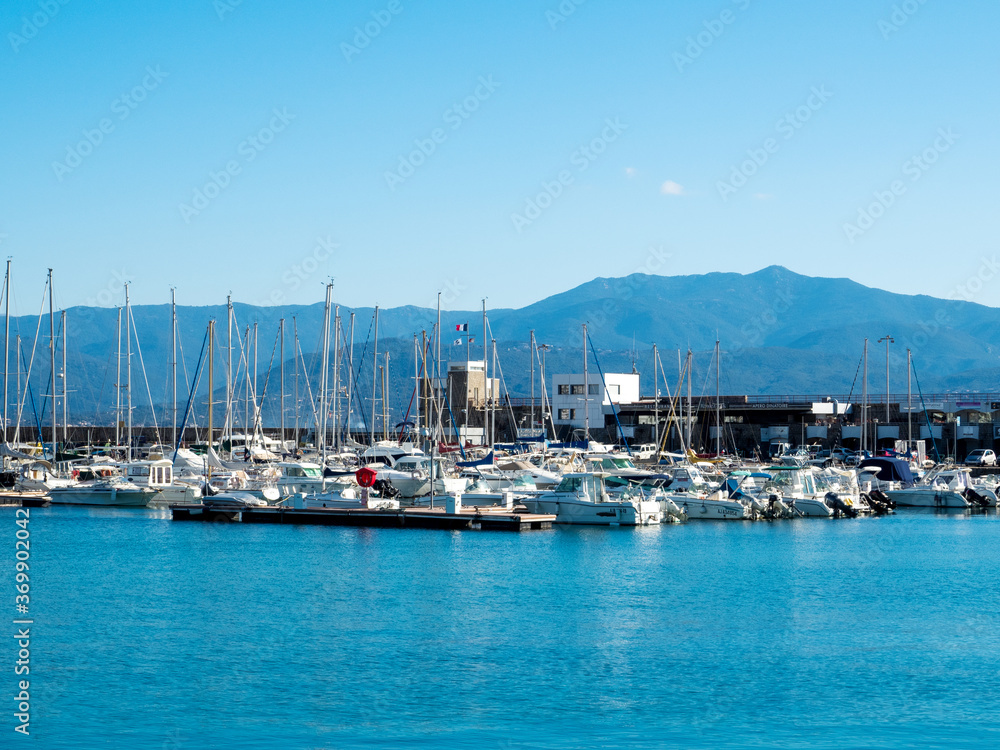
576	511
708	509
927	498
105	497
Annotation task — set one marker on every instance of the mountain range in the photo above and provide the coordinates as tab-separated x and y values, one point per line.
779	332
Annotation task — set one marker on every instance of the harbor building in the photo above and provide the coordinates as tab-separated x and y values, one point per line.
577	404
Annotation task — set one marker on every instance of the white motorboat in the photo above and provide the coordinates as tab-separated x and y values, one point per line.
345	499
582	498
949	487
114	491
299	476
157	475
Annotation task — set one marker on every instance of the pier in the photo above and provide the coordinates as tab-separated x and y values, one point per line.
482	519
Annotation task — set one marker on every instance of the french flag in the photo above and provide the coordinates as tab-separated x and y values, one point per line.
462	327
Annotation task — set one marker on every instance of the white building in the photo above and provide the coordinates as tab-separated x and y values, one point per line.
571	402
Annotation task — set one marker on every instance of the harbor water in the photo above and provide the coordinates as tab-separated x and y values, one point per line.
867	633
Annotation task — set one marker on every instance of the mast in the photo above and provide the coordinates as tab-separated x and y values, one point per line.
128	370
65	387
718	406
336	374
493	416
385	400
281	398
486	382
586	390
864	402
118	386
256	425
531	356
211	386
374	373
6	347
350	380
173	360
909	404
17	359
324	376
656	406
690	419
228	420
416	380
52	357
295	357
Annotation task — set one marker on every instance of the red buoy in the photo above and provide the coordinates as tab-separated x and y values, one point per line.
365	476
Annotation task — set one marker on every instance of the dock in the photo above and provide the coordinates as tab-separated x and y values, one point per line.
481	519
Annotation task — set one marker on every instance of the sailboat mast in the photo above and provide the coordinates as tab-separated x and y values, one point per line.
656	406
6	346
531	356
909	404
211	386
493	416
336	374
281	366
52	357
173	366
486	381
690	419
256	405
586	390
118	386
128	371
229	418
718	405
374	373
295	357
65	377
350	380
864	402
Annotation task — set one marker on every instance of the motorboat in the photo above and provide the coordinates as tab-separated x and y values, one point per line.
582	498
112	491
946	487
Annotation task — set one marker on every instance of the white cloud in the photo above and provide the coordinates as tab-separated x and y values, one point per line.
671	188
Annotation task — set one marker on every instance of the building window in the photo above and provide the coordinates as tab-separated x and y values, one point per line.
594	389
577	390
564	390
563	415
572	413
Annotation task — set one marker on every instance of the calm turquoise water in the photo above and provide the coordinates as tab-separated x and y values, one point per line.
876	633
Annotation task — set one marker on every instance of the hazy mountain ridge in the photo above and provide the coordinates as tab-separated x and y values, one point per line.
780	332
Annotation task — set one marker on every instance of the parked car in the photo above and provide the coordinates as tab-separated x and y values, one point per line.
981	457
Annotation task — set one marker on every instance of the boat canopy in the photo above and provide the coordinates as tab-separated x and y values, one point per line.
889	469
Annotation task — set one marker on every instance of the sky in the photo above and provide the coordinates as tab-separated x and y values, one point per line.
506	150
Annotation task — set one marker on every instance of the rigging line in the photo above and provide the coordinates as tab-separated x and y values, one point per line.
191	394
312	403
856	373
614	410
503	384
27	377
258	413
927	418
142	365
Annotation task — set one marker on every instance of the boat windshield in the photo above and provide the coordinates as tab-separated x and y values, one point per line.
570	484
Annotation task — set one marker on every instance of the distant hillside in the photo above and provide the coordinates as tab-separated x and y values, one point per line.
780	333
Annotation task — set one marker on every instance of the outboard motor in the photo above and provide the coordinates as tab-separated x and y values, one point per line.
882	499
777	507
975	499
878	507
384	489
839	507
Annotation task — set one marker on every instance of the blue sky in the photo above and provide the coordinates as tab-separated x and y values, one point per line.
670	137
